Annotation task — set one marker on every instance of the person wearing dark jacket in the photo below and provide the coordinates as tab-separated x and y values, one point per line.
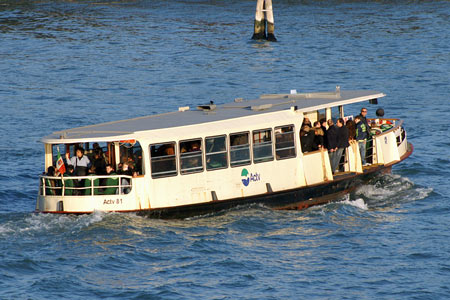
363	117
342	141
323	125
318	136
307	139
361	138
99	162
332	135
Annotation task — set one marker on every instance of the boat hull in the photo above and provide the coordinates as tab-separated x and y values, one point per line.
293	199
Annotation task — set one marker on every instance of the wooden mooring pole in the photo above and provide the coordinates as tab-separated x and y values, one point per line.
264	20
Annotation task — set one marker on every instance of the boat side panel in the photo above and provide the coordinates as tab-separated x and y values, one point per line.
389	149
243	181
299	198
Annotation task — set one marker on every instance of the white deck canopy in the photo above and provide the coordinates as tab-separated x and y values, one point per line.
240	108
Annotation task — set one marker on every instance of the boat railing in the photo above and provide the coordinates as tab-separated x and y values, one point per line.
85	185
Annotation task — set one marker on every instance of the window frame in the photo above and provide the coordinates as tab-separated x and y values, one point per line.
175	157
267	158
180	156
227	162
286	148
249	149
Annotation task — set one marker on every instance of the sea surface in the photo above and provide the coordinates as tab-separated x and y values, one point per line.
72	63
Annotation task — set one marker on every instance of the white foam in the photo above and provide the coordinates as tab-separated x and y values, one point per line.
37	223
359	203
392	189
422	193
387	187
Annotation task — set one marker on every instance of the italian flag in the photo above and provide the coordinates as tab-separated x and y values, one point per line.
60	164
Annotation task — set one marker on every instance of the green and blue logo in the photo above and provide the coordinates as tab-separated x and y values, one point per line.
248	177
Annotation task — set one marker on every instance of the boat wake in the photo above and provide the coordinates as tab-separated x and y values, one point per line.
35	224
359	203
390	190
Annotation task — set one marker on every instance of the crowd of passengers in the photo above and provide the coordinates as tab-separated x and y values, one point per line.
95	165
336	137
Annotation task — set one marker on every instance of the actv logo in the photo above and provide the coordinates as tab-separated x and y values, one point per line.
247	177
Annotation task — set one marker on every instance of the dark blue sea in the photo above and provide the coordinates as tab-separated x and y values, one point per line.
71	63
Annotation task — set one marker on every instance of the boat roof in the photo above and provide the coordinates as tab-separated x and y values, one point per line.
240	108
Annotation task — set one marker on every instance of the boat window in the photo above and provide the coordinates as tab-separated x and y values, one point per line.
239	149
262	145
163	160
216	152
92	151
131	152
191	156
284	141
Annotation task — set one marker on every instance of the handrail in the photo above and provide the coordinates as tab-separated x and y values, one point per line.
57	186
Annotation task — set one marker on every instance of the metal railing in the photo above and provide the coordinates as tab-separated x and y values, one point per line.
85	185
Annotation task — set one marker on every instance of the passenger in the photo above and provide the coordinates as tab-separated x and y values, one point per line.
70	171
194	147
80	162
323	125
50	183
68	182
351	126
307	139
99	162
125	182
318	136
169	150
130	161
50	171
111	183
89	182
342	140
96	147
110	170
125	170
363	118
361	137
138	166
306	121
332	134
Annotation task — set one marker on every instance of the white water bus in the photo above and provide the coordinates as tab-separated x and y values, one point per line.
195	161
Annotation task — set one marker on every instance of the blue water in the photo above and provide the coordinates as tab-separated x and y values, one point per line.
72	63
